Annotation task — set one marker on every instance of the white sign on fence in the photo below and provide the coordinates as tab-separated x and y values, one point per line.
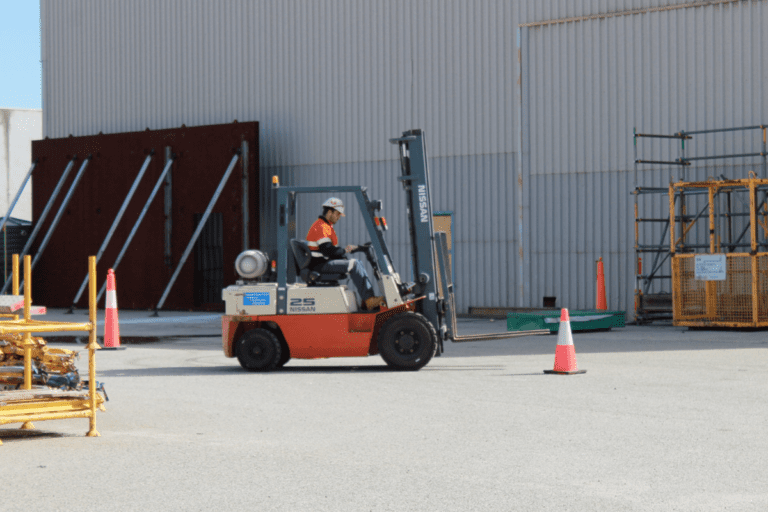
710	267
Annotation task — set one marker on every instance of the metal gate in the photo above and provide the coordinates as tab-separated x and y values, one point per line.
209	261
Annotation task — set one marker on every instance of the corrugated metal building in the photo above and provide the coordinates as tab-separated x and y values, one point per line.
18	128
529	108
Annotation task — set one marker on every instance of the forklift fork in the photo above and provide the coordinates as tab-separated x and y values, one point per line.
449	302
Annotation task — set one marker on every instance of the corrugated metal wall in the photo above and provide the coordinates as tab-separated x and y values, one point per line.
331	81
585	84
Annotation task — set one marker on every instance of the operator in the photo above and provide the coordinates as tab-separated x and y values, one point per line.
329	258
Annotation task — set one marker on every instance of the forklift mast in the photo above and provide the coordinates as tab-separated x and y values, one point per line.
429	249
414	169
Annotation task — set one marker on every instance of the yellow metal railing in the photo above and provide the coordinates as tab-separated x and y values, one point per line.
27	405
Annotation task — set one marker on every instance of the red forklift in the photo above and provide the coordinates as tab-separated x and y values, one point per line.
290	312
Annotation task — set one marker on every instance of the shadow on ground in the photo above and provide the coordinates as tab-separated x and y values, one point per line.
631	339
10	435
297	367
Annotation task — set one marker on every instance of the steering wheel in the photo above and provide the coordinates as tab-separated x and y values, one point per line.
363	248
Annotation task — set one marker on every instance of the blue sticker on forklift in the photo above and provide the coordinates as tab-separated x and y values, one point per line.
256	299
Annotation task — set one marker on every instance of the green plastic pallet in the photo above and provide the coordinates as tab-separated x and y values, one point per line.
581	320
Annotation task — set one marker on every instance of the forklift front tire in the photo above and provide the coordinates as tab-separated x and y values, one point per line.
407	341
259	350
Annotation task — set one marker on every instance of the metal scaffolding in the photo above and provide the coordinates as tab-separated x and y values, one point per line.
653	288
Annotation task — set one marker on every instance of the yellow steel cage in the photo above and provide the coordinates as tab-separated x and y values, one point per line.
741	299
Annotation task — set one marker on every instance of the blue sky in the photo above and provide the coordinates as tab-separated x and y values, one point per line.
20	69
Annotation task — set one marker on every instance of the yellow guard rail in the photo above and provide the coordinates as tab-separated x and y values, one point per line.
27	405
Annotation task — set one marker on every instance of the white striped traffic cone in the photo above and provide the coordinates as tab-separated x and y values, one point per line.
565	354
111	326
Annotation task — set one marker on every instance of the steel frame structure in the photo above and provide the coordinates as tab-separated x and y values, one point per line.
739	300
27	404
658	306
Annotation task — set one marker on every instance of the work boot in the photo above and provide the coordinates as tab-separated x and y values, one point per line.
374	302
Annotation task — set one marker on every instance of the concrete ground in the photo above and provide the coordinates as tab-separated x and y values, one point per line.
664	419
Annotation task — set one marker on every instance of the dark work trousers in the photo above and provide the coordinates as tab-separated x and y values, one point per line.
356	271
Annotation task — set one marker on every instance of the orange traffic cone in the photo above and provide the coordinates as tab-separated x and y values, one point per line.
565	354
600	303
111	326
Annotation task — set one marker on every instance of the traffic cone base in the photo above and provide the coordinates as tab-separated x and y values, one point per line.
565	361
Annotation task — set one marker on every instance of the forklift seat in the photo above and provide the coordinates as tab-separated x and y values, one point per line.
302	255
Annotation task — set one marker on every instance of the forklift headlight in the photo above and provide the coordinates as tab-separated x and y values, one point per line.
251	264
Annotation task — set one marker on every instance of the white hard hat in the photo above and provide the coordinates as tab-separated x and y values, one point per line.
336	204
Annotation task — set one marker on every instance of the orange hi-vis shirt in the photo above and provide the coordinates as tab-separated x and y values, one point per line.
320	233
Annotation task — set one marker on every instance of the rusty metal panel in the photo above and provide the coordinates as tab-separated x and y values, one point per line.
203	154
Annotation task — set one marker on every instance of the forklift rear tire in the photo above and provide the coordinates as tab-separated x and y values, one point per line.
258	350
407	341
285	356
